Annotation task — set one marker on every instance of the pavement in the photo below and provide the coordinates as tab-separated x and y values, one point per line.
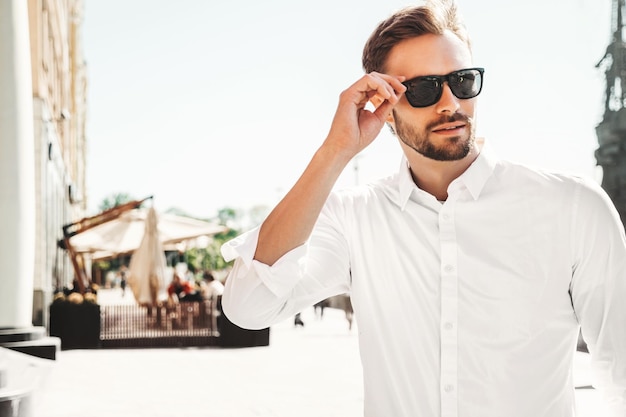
308	371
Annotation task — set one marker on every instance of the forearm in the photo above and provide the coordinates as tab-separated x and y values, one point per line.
290	224
354	128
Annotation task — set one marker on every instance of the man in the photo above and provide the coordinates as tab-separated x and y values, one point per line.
212	290
180	289
469	275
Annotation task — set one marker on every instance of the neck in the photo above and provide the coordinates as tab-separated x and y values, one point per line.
433	176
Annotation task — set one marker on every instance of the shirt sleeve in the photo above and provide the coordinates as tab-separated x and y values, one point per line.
257	295
598	290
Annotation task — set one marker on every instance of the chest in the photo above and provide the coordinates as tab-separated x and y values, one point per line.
482	262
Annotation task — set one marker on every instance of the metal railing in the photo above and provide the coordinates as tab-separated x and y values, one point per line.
192	323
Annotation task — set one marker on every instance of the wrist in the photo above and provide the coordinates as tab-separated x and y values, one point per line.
334	155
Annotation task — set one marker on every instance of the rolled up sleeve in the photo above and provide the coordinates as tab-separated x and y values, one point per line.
257	295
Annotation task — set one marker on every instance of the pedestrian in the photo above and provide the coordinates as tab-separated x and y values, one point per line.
297	320
123	272
470	276
210	287
180	290
212	290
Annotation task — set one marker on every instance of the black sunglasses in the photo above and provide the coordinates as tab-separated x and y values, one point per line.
427	90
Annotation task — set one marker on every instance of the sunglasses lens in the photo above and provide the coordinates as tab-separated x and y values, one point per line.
466	84
423	92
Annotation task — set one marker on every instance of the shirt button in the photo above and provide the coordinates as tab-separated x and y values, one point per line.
448	268
448	326
446	217
448	388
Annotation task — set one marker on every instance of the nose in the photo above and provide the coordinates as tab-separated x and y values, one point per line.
448	103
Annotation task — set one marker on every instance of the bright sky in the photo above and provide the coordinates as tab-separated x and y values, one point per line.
213	104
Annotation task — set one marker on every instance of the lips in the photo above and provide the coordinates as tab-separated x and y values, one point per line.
450	127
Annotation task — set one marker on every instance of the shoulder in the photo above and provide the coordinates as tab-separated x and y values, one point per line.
382	190
356	204
512	173
574	192
514	170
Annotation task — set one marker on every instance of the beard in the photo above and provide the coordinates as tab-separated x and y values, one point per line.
455	148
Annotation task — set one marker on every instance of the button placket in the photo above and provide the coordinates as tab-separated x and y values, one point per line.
449	306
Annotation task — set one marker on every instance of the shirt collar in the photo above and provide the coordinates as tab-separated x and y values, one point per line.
474	178
405	183
477	174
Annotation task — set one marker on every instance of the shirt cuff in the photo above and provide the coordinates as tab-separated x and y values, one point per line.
280	278
243	246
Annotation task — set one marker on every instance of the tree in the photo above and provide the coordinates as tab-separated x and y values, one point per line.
227	216
114	200
210	258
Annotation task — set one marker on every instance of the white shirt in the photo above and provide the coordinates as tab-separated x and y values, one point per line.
467	308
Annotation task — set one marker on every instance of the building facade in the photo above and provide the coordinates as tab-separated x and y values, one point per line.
59	87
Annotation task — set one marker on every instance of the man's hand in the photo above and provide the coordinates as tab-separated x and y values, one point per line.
354	127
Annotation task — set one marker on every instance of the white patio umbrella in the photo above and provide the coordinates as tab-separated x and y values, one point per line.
146	275
124	234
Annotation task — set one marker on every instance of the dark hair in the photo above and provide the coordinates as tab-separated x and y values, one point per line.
208	276
434	17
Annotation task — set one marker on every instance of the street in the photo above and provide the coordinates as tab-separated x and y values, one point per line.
308	371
